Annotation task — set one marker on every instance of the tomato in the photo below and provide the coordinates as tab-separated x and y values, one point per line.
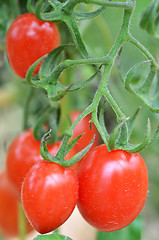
8	209
113	188
29	39
22	154
49	195
84	127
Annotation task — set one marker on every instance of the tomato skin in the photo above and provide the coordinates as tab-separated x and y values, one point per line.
49	195
113	188
8	209
22	154
84	127
29	39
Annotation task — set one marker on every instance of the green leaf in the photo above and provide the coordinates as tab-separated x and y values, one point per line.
49	64
149	18
53	236
131	232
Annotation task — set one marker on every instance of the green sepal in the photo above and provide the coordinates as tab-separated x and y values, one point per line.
53	236
131	121
149	19
63	150
133	148
123	138
78	156
101	118
84	16
29	79
72	143
114	136
49	64
155	135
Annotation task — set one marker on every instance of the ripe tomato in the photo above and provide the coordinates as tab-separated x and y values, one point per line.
29	39
8	209
84	127
49	195
113	188
22	154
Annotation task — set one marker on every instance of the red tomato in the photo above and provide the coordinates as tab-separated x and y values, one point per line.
29	39
8	209
22	154
113	188
84	127
49	195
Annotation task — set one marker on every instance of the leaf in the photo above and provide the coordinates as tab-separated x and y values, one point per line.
149	18
49	64
53	236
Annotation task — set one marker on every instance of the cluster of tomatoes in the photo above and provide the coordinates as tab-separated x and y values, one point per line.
109	187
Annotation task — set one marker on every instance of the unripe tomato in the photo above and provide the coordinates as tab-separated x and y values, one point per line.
49	195
113	187
9	209
22	154
29	39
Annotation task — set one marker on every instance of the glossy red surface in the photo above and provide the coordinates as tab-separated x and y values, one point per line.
113	188
22	154
49	195
29	39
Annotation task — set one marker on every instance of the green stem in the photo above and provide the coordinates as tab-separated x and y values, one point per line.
26	109
144	51
22	223
72	25
126	5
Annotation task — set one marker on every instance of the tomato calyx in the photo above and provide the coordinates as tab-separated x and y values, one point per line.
51	70
63	150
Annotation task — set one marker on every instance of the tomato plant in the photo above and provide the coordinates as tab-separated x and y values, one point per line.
22	154
29	39
9	209
49	195
113	188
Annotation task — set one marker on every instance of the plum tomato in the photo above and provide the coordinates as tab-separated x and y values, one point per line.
84	127
27	40
49	195
113	187
22	154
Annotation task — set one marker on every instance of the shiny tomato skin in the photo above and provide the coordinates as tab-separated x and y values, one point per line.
49	195
8	209
113	187
29	39
22	154
84	127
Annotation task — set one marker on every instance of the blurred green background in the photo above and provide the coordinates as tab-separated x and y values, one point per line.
99	35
